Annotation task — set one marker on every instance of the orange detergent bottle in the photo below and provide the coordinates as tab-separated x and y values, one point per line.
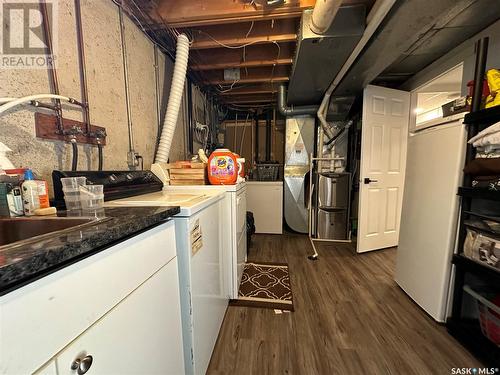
222	167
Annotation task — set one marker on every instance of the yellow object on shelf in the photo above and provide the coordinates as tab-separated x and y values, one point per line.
493	77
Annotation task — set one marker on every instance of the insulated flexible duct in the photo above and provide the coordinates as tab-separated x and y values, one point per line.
175	98
324	13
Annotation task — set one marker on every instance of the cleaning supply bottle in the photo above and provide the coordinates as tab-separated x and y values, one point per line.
43	194
222	167
29	189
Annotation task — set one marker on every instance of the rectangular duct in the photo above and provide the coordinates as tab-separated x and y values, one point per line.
319	58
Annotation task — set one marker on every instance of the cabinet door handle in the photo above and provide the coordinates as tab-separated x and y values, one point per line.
82	365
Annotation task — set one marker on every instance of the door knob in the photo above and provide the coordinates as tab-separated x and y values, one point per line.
82	365
368	180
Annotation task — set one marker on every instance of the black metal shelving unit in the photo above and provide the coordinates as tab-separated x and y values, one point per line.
460	325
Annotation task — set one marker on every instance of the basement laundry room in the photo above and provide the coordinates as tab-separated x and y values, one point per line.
249	187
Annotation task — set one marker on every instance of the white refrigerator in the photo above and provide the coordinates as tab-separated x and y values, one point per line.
429	217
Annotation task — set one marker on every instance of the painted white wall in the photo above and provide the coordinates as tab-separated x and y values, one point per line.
101	31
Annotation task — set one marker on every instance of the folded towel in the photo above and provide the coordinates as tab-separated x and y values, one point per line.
490	151
483	167
490	130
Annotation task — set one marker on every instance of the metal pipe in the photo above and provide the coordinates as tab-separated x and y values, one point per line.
157	92
101	156
131	155
268	136
256	118
37	104
83	71
54	83
74	163
377	14
481	55
293	111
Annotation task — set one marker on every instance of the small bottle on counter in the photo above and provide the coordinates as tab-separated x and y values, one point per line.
30	189
43	194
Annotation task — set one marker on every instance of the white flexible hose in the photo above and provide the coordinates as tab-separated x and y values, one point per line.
324	13
174	100
26	99
5	100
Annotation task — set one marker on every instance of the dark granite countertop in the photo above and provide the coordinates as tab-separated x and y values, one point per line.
33	259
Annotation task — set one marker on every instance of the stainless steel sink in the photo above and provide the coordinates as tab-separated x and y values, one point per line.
14	230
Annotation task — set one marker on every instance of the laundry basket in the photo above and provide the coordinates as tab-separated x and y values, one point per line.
267	171
489	315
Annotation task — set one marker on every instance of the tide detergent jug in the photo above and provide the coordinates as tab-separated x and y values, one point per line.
222	167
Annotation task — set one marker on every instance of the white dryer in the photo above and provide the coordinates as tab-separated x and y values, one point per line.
234	233
199	232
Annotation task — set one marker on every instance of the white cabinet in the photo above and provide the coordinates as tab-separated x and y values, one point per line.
265	200
123	299
135	337
49	369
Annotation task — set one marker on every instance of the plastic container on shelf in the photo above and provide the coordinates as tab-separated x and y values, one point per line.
71	189
488	304
482	247
92	197
73	183
267	171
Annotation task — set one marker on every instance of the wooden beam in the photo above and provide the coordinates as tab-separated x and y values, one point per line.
243	33
251	75
252	56
244	64
251	89
251	99
182	13
249	80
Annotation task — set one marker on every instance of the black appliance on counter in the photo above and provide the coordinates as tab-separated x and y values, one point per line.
117	184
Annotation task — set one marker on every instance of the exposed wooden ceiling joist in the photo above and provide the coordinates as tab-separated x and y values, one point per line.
243	33
182	13
251	89
252	56
251	75
251	99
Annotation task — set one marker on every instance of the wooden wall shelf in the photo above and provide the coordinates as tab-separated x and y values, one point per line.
46	128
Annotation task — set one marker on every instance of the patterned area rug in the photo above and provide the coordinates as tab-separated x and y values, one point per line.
265	285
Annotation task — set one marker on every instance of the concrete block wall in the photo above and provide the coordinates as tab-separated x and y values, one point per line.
106	91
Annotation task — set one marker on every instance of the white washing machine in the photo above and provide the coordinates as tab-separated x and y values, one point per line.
199	231
234	231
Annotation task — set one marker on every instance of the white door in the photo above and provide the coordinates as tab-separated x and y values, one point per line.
382	171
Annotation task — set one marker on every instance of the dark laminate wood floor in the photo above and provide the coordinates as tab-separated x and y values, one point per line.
350	318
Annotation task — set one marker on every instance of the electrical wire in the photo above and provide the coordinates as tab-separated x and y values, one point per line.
244	48
232	47
235	132
243	135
